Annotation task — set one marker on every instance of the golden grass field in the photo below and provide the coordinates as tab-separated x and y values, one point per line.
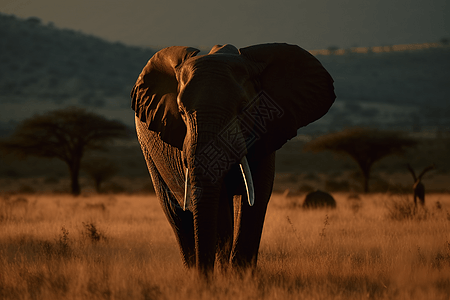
55	246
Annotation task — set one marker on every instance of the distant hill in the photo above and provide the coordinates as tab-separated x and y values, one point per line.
46	67
43	68
407	77
392	87
51	64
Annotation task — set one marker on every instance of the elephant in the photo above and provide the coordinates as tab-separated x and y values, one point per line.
209	126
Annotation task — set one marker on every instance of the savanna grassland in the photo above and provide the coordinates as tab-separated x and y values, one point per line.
55	246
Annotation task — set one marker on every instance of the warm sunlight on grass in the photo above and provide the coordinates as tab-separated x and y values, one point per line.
121	247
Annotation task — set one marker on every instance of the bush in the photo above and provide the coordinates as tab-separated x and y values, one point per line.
92	233
319	199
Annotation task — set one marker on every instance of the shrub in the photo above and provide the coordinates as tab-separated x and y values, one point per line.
91	232
319	199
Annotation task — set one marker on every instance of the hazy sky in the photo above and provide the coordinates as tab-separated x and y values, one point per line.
314	24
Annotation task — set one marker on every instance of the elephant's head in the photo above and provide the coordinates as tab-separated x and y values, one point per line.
221	107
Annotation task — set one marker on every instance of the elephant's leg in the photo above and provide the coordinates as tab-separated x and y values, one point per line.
181	221
249	220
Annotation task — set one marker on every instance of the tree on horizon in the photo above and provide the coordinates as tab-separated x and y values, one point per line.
364	145
66	134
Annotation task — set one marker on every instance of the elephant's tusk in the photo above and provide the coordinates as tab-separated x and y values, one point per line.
247	174
186	190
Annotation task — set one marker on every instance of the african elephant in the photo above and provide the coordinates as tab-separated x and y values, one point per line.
202	120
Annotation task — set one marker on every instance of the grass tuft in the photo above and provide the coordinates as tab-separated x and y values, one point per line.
63	247
322	234
401	208
92	233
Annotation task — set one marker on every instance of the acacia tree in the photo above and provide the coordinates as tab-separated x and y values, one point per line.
65	134
364	145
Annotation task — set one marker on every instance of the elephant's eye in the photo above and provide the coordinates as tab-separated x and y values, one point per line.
181	110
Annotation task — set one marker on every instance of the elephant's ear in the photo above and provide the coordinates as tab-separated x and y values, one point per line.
294	90
154	95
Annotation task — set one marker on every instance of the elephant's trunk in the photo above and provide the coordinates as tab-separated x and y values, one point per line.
209	156
205	211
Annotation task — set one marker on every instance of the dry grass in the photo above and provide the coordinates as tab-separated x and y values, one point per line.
121	247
